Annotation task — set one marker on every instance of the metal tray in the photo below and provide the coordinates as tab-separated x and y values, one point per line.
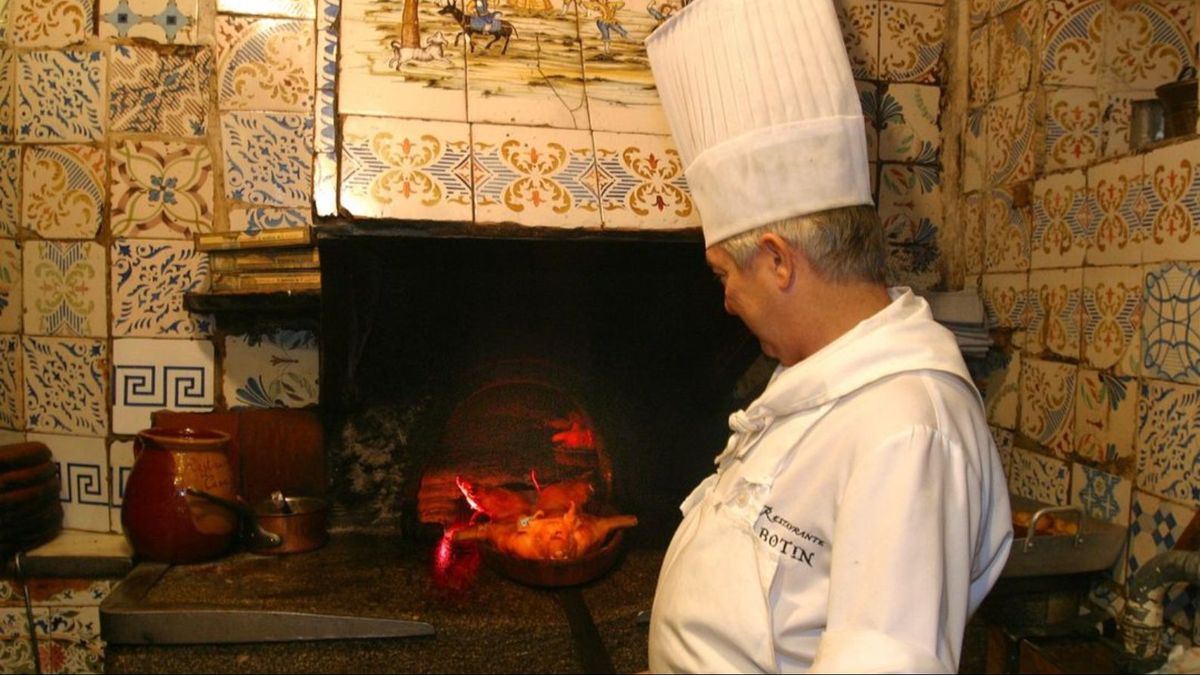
1095	547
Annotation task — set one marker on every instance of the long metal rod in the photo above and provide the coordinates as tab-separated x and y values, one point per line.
33	643
589	647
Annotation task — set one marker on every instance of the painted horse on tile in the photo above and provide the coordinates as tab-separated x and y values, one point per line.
470	25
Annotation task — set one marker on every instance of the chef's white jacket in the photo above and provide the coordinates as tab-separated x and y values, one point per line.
857	517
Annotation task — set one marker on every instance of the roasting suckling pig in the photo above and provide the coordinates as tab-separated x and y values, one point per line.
556	498
541	537
497	503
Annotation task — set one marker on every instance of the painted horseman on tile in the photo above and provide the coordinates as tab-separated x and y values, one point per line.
484	22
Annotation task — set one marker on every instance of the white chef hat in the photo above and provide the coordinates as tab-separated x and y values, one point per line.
763	109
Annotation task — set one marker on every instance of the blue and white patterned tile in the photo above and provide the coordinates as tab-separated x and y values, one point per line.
1048	404
158	91
265	64
255	220
1106	420
1038	477
908	123
69	637
1060	238
1147	43
149	280
325	125
10	190
60	96
1103	496
910	210
1154	526
1171	322
64	289
911	37
166	21
63	188
120	464
150	375
1072	39
161	189
1168	440
10	286
83	479
50	23
1073	128
268	158
65	385
328	12
1112	318
277	370
8	79
642	186
1171	193
325	183
868	97
12	396
297	9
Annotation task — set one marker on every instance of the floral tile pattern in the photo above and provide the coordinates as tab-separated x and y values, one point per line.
1167	441
83	479
908	123
63	190
7	85
10	189
1116	206
975	171
10	286
979	86
544	177
59	96
268	158
1003	393
406	169
1012	37
910	210
256	220
16	643
971	211
642	185
69	640
49	23
1055	298
1071	55
12	397
1103	496
1072	128
1171	323
1048	404
149	280
167	21
265	64
150	375
56	592
161	189
1059	218
1148	43
64	289
910	39
1172	222
1154	527
1112	318
859	20
154	90
1006	299
1106	419
1011	143
868	96
1038	477
64	385
1009	231
272	371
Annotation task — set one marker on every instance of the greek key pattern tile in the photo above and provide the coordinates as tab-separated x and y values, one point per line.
64	385
59	96
1106	419
1168	442
265	64
1148	43
268	158
1172	219
1103	496
12	398
149	280
161	189
167	21
1171	326
910	40
1072	128
1048	404
64	289
1071	55
277	371
10	286
642	185
1112	318
1117	204
1059	220
63	190
156	90
10	189
1055	300
49	23
1038	477
83	479
153	374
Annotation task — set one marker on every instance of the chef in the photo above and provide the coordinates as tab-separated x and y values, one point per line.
859	513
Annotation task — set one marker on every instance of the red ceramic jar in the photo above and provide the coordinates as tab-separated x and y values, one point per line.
161	521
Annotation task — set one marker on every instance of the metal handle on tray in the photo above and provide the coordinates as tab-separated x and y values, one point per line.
1032	529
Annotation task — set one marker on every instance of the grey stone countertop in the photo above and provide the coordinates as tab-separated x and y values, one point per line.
487	624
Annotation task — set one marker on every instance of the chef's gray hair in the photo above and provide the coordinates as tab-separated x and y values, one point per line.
842	245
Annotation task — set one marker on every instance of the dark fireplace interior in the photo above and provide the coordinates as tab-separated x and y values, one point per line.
605	358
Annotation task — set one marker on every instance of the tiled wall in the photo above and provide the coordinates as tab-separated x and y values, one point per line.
1087	248
66	620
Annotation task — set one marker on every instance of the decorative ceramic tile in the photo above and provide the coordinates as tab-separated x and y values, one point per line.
161	189
642	184
1115	126
4	10
8	79
860	31
297	9
1011	139
908	123
267	218
910	41
64	289
378	76
63	190
1059	219
979	86
83	479
60	95
265	64
149	280
978	11
1103	496
1005	297
64	385
1171	322
868	96
1003	394
1171	190
1148	43
268	158
1072	44
406	169
150	375
50	23
324	122
971	212
975	171
537	177
120	464
1004	445
1112	318
1013	39
169	21
1072	128
910	209
69	640
1001	6
10	286
159	90
1055	298
1167	439
1117	206
1154	527
70	592
272	371
10	189
621	94
12	396
1009	230
1048	404
1106	420
16	642
1038	477
325	183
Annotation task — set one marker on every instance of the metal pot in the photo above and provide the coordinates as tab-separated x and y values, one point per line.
280	525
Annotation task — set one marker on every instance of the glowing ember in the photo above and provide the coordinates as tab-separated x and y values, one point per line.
575	434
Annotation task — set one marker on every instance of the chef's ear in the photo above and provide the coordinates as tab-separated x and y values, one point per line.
783	260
